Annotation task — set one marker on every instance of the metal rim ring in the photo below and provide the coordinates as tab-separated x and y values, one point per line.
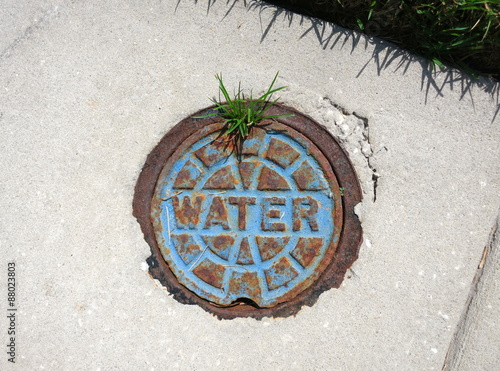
350	236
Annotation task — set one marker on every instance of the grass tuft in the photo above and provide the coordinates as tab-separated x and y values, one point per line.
240	112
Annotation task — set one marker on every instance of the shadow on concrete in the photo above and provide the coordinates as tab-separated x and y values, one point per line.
211	3
385	55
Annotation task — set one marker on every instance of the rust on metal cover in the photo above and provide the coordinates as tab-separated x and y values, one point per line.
257	234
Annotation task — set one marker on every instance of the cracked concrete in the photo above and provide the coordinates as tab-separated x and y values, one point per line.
20	21
87	93
353	133
475	345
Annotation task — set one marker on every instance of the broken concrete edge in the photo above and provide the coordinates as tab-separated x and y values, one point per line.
454	355
356	140
347	249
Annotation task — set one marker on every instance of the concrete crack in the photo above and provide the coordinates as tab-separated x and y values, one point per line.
353	132
367	151
37	24
462	337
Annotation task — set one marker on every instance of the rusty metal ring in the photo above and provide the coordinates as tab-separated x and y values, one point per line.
288	286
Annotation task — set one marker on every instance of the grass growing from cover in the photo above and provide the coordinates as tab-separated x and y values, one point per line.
240	112
462	33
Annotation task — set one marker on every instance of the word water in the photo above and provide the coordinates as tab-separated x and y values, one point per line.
259	224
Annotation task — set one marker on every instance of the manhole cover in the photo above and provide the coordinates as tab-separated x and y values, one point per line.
255	232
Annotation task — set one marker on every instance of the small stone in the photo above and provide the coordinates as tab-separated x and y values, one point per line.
366	149
339	118
345	129
329	116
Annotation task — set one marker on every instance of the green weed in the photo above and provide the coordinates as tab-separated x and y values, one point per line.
241	112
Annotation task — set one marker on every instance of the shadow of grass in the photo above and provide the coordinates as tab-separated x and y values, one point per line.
385	55
210	3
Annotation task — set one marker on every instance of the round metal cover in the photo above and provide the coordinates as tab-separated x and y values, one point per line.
252	231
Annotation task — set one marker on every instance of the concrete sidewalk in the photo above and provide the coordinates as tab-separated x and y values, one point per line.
89	88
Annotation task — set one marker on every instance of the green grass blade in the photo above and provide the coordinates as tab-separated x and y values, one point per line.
223	88
241	113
